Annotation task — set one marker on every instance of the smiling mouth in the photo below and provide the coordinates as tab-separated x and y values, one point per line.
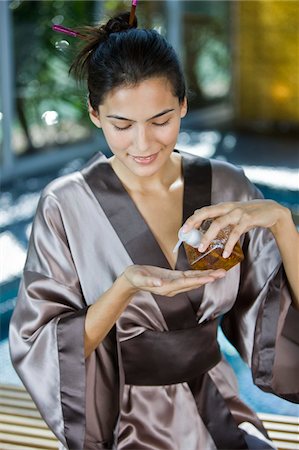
145	159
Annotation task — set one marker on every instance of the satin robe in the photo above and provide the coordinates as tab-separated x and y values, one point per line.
86	231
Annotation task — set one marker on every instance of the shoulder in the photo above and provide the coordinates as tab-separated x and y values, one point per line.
228	175
67	187
54	197
57	199
217	167
61	187
67	198
229	183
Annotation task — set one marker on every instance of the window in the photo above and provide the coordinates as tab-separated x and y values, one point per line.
49	107
207	51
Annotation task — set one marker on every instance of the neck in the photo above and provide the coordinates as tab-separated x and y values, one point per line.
163	181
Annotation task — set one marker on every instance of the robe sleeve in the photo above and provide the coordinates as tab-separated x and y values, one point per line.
47	329
263	324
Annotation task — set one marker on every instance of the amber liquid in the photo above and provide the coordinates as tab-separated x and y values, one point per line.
212	257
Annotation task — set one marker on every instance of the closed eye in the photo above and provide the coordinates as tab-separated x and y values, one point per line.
121	128
129	126
162	124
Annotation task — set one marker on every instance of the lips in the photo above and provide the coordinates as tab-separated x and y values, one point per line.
145	159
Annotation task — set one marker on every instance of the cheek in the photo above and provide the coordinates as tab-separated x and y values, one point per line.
169	135
117	141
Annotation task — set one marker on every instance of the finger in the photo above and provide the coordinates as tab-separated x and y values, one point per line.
207	212
197	285
184	281
189	283
198	273
234	237
196	219
220	223
175	275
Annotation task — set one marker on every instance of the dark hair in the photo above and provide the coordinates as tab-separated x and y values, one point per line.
118	54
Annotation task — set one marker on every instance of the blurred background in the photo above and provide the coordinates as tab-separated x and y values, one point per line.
241	60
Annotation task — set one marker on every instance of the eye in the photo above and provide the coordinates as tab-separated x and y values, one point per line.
121	128
162	124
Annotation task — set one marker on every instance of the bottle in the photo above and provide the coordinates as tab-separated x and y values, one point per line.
212	257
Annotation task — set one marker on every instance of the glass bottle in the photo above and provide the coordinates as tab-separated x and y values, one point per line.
212	257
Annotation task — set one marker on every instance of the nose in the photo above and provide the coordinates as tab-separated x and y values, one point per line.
142	139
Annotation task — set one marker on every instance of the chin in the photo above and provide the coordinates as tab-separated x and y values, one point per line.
145	171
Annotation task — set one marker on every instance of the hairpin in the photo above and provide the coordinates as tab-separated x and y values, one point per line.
73	33
132	12
67	31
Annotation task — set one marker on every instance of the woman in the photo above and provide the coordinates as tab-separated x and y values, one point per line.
113	336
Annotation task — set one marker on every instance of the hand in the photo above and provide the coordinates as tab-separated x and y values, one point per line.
242	216
168	282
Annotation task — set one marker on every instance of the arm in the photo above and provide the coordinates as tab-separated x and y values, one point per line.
262	324
102	315
287	239
48	333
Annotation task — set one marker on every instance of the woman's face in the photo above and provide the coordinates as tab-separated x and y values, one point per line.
141	124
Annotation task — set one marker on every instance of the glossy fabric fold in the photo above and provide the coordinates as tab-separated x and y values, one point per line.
207	396
151	359
77	249
70	335
121	210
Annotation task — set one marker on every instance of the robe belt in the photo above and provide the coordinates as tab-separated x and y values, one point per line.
151	359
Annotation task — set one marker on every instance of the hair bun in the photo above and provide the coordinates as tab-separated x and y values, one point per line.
119	23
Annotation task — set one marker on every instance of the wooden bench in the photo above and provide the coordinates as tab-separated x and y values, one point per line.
283	430
22	428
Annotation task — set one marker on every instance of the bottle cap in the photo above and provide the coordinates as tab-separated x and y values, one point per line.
192	237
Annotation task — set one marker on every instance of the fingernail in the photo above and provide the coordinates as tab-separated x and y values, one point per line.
157	283
225	254
201	247
184	228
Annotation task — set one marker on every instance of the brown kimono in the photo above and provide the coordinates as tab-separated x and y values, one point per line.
157	381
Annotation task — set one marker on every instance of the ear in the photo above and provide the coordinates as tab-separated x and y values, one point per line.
184	107
94	116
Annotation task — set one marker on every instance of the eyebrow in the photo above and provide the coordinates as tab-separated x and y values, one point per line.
113	116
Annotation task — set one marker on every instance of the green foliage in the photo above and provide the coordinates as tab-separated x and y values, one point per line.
41	69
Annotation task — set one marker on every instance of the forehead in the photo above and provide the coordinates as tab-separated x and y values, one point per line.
147	98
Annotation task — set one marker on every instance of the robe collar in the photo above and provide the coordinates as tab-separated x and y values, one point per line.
136	235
